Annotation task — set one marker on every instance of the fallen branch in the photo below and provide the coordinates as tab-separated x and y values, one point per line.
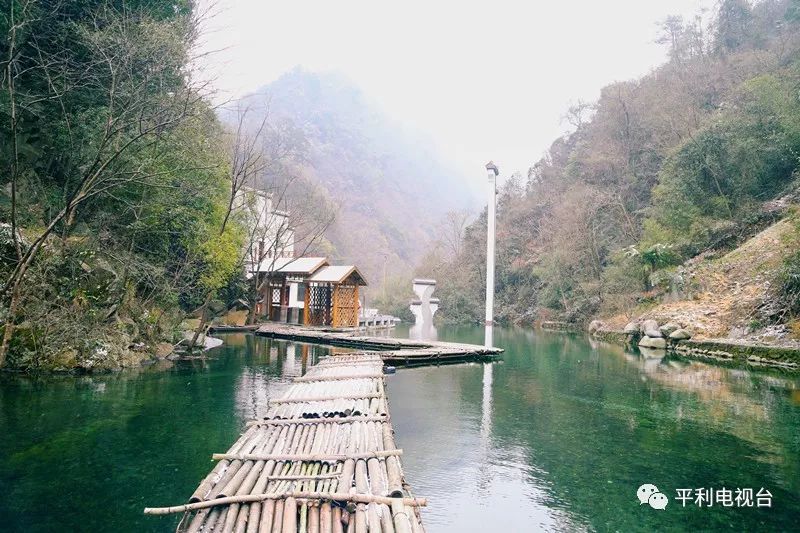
338	378
323	420
249	498
358	396
304	457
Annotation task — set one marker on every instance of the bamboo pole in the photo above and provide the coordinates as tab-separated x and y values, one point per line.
302	526
346	477
313	477
334	377
289	515
329	496
386	519
314	519
362	486
197	521
241	520
325	518
277	524
267	516
393	473
377	480
216	474
230	518
361	519
254	517
337	520
311	399
214	517
416	526
373	519
305	457
401	521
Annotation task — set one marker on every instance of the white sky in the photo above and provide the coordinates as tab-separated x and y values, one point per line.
484	80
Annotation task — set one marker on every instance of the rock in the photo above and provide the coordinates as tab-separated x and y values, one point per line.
594	325
650	328
652	353
205	341
66	359
163	349
633	328
653	342
680	334
667	329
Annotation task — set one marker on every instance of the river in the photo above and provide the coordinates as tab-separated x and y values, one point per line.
557	436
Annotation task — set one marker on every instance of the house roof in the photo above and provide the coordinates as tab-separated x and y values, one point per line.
293	265
337	274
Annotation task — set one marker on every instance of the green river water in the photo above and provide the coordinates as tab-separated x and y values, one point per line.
557	436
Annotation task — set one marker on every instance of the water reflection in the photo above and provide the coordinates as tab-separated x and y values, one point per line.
562	432
423	331
127	440
557	436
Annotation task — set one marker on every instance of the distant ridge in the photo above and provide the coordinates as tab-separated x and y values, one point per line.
390	186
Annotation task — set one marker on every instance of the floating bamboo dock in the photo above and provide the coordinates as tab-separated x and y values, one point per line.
393	351
323	460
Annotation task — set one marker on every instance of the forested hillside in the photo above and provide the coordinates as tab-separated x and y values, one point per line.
685	162
116	182
387	185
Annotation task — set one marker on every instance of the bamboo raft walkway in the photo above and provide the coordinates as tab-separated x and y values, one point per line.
323	460
393	351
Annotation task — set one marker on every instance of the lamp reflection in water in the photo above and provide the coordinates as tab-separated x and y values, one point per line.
488	338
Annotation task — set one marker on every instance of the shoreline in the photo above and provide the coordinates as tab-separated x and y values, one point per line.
718	350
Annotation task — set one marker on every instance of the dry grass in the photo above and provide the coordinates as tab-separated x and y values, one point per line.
723	295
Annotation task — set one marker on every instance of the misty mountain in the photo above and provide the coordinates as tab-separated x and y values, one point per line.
388	184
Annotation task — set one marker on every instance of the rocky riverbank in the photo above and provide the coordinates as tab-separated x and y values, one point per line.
649	335
117	350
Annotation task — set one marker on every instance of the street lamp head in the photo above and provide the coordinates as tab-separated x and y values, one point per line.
491	167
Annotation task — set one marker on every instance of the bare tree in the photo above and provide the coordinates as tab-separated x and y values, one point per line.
451	234
139	113
247	162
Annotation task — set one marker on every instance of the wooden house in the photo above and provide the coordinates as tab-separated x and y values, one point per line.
283	297
307	290
331	297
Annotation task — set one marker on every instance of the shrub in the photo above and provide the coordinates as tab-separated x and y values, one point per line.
789	291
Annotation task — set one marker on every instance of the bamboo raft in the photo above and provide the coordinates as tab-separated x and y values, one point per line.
393	351
323	460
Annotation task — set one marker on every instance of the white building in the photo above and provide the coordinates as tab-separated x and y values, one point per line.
269	232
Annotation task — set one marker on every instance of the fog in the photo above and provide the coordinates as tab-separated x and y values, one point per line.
488	80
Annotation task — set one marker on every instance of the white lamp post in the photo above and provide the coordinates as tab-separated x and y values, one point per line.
492	173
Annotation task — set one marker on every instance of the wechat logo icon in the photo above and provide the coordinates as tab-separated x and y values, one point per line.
650	494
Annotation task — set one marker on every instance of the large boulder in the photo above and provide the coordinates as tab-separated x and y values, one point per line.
633	328
680	335
163	350
650	328
653	342
667	329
